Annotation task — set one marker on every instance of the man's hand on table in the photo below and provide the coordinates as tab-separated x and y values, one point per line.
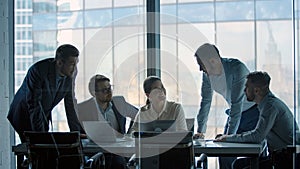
83	136
199	136
220	138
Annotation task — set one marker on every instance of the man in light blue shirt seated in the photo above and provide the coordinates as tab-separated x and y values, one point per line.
103	107
275	124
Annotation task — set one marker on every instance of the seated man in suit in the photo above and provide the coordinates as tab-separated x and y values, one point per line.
102	106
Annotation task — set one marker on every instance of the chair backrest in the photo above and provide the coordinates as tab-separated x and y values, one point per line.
124	108
164	153
48	150
190	122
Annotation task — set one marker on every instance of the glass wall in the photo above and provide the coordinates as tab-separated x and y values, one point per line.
111	36
259	33
296	54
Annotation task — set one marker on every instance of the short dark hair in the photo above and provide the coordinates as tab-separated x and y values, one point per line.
65	51
148	82
94	80
259	79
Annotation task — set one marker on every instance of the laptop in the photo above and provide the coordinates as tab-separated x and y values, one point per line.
159	126
99	131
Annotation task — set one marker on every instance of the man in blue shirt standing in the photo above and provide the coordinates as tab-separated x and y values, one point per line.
275	124
227	77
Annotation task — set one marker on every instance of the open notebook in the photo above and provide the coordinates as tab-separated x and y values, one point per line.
99	131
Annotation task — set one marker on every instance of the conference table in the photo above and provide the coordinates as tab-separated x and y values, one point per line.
224	149
212	149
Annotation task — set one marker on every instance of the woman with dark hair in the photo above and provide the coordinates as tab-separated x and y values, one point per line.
157	107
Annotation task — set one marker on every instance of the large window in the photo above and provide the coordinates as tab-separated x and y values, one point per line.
111	36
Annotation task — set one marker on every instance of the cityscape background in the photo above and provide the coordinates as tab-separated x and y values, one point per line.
111	36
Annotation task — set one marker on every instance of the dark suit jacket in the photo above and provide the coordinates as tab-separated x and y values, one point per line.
87	111
31	107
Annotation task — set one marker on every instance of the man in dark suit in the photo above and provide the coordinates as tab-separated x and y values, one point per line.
47	82
102	106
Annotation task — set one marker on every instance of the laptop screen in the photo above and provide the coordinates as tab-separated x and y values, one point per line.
158	126
99	131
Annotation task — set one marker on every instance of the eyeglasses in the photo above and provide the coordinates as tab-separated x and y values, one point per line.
105	90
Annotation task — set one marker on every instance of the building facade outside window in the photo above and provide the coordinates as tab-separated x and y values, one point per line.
111	36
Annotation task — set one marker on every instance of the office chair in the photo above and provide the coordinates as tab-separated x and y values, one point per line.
164	151
97	161
190	122
48	150
201	162
59	150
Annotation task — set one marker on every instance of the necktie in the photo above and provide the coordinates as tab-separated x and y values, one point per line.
59	83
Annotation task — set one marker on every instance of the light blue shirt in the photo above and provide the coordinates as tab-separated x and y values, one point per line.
108	115
275	124
235	75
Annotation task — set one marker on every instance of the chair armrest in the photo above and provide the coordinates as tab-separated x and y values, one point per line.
131	161
97	161
202	161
